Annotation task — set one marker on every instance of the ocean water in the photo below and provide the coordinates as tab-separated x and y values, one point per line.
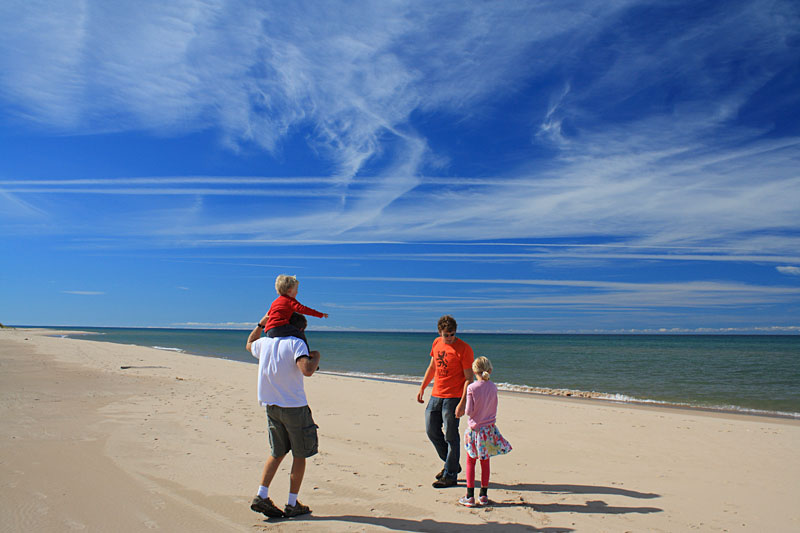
758	374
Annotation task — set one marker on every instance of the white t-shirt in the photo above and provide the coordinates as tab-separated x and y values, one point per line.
280	382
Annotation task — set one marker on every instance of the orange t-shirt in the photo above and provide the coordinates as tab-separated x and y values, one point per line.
450	361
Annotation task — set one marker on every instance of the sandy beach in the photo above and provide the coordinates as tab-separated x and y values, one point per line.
176	443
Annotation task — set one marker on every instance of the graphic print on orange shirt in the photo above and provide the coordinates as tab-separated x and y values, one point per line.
451	361
441	364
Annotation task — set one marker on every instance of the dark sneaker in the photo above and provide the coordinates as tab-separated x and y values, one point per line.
296	510
445	482
265	507
440	475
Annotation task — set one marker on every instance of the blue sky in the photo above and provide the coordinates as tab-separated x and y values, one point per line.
557	166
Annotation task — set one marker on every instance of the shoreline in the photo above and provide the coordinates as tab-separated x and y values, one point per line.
567	395
577	397
510	387
182	441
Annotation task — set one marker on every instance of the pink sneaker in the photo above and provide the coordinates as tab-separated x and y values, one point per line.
467	502
483	500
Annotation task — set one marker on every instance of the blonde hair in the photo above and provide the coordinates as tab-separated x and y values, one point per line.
284	283
482	366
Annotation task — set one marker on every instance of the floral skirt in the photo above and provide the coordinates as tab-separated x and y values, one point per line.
485	442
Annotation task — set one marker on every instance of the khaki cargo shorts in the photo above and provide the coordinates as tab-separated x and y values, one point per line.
292	428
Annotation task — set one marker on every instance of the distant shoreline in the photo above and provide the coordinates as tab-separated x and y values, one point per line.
404	376
747	333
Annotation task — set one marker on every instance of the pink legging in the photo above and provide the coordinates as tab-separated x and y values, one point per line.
471	472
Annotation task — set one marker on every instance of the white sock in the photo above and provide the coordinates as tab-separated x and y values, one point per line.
292	499
263	492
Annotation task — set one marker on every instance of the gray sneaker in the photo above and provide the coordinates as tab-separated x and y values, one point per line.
296	510
266	507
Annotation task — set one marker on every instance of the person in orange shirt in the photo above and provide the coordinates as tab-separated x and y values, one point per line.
450	370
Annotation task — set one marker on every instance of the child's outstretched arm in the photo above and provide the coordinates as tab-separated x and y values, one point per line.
303	310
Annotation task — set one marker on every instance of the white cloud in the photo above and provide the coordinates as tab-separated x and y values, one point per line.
11	206
759	330
258	71
214	325
84	293
674	176
583	294
596	254
791	270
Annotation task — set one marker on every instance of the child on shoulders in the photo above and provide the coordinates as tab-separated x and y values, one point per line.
282	308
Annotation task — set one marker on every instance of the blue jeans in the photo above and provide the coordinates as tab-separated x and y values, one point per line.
442	412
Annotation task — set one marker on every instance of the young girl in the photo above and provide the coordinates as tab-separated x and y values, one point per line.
482	440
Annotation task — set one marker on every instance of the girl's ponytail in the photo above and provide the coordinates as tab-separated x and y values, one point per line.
482	366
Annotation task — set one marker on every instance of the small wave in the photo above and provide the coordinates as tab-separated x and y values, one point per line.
760	412
75	334
623	398
572	393
378	376
168	349
511	387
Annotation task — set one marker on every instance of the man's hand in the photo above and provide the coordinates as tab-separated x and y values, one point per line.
460	409
254	336
429	372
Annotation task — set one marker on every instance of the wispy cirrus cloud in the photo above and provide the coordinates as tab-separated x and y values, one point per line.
13	207
259	72
790	270
84	293
213	325
641	132
582	294
685	197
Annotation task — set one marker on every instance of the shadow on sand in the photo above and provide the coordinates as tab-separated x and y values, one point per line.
405	524
574	489
592	506
596	506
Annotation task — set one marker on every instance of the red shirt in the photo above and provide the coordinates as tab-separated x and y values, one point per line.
450	360
281	311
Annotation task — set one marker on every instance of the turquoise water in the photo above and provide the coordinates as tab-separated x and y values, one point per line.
758	373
